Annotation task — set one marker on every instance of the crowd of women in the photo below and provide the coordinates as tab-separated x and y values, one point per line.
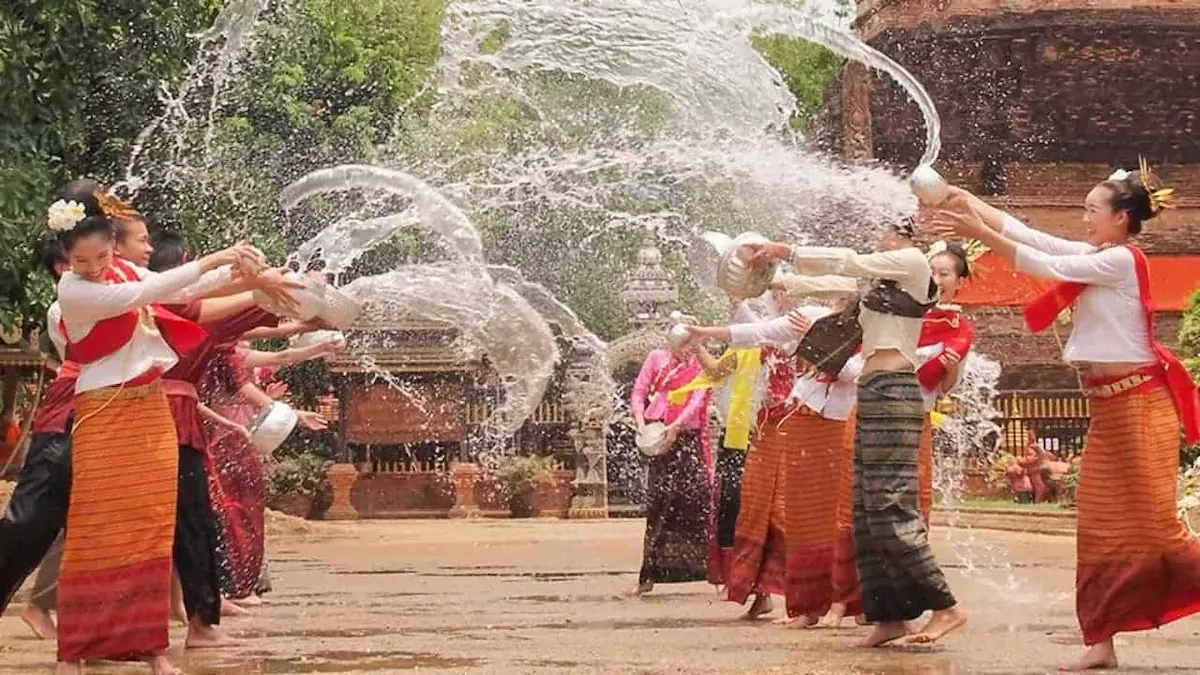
821	487
142	495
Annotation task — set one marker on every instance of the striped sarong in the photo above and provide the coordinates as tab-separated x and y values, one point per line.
759	562
115	579
845	570
814	461
678	514
900	577
1137	566
925	471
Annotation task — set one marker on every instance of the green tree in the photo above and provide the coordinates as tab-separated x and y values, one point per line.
1189	351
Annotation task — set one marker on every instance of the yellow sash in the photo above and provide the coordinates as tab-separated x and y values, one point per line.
741	393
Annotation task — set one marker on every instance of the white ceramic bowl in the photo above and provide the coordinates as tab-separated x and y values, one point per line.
928	185
311	299
272	426
734	274
650	440
677	335
340	310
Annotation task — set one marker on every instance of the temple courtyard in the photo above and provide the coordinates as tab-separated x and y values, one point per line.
545	596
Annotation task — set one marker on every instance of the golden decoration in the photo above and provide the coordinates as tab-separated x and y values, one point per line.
1162	198
114	207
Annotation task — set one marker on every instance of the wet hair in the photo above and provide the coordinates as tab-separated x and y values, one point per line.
1132	197
49	252
87	227
170	251
962	266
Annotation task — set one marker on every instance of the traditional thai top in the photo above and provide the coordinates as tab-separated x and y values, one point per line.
906	267
58	401
660	374
1110	324
115	331
943	329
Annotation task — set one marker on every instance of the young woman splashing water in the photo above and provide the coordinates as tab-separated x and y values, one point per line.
900	577
115	576
1136	565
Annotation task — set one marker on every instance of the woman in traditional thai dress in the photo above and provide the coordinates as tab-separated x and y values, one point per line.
1137	566
679	493
899	575
114	582
794	450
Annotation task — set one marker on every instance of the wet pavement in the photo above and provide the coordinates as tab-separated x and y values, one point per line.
545	596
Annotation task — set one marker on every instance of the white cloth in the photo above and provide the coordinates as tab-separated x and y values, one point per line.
778	331
54	331
84	303
906	266
1109	322
822	286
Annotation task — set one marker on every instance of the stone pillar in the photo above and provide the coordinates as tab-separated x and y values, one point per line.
464	475
342	478
588	396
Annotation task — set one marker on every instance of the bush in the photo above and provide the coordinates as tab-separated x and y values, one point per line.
304	474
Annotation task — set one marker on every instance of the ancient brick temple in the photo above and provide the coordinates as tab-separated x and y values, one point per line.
1039	101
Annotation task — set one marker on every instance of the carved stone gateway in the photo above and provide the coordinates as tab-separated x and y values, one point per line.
588	394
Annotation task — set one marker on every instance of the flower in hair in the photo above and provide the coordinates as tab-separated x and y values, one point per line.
1119	174
65	215
936	248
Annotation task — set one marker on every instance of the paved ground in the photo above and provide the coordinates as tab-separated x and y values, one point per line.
540	597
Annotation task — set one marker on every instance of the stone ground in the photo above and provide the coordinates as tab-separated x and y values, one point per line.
544	596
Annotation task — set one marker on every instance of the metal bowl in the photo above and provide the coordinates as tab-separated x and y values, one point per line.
651	440
272	426
340	310
736	277
928	185
317	337
310	299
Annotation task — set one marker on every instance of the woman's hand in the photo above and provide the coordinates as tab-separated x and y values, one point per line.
243	433
766	253
278	288
671	435
229	256
311	420
961	224
949	358
799	322
277	390
332	346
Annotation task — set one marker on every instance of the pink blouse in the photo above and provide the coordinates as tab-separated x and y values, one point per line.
659	375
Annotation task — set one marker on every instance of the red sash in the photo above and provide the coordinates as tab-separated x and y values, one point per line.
1042	312
109	335
955	333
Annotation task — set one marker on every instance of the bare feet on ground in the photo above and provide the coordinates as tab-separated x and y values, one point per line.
883	633
801	622
762	606
941	624
159	665
640	590
248	601
203	636
1102	656
68	668
40	622
833	619
229	608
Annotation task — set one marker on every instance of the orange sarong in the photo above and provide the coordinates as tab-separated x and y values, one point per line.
846	588
814	466
759	549
1137	566
115	578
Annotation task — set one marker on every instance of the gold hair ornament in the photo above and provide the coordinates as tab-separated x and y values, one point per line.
1162	198
114	207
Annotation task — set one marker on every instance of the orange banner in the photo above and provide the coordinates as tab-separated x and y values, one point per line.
995	282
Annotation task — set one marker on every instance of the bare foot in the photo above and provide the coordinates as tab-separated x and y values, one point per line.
640	590
228	608
203	636
861	620
941	624
761	607
800	622
833	619
178	611
40	622
159	665
1100	656
883	633
248	601
68	668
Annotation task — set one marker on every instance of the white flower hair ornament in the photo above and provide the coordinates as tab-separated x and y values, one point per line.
65	215
1119	174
